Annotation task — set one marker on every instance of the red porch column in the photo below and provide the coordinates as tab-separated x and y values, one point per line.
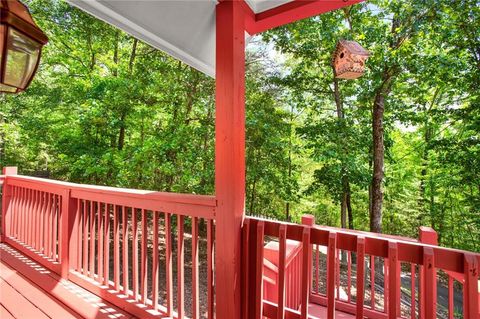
6	196
229	155
428	283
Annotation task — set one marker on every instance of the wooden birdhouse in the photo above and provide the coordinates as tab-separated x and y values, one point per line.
349	60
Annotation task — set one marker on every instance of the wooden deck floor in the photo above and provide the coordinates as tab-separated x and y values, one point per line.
29	291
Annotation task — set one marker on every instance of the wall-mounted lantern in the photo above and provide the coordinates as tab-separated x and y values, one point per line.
349	60
21	42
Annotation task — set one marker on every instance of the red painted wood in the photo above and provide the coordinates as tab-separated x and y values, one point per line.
180	267
229	155
195	251
430	291
282	238
155	264
393	278
246	274
100	232
201	206
116	248
386	282
360	277
337	273
331	274
65	232
35	295
99	309
144	260
91	266
106	248
210	270
306	274
451	309
85	239
347	308
125	246
471	288
258	307
293	11
56	209
413	299
349	276
48	226
76	243
8	172
372	282
317	269
17	304
135	254
28	220
33	220
168	263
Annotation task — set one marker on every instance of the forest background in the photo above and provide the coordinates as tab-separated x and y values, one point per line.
389	152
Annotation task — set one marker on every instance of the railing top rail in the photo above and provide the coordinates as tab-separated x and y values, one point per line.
202	206
448	259
204	200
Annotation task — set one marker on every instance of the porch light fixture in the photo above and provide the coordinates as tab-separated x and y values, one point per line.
21	42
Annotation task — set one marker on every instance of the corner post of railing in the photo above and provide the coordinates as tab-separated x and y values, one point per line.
470	289
428	284
6	197
309	220
67	218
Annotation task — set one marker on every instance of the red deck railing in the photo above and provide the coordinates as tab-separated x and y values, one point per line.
327	256
130	248
109	241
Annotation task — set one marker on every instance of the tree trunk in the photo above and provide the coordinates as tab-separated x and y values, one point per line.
345	196
349	207
378	162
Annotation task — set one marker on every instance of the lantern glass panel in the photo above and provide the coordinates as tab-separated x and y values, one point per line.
2	40
6	88
22	57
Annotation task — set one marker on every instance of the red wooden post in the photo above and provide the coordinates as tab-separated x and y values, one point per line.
258	306
282	239
430	287
125	247
6	197
470	288
331	274
451	307
155	266
309	220
68	232
393	277
306	271
360	276
427	236
195	251
169	263
180	267
229	154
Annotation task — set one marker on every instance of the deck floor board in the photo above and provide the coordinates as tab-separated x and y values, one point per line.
49	305
19	306
31	291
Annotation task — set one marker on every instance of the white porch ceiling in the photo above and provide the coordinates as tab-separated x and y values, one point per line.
184	29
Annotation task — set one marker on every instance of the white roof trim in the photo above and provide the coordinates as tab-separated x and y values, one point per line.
184	29
106	14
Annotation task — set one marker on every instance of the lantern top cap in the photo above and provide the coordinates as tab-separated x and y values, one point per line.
354	48
16	14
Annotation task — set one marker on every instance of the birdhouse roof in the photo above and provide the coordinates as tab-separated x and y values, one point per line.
354	48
